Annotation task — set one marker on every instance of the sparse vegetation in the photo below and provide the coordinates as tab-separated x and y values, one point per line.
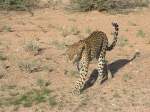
2	56
126	30
72	19
76	5
35	65
122	41
88	30
73	30
127	77
58	45
64	32
48	66
71	73
132	23
54	3
3	71
34	96
21	5
6	28
116	95
107	5
42	83
140	33
32	46
17	4
30	65
29	98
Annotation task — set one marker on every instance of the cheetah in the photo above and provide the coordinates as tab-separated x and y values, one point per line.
84	51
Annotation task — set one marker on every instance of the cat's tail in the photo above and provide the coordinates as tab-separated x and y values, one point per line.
115	34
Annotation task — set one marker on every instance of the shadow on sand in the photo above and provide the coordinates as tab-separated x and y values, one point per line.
112	67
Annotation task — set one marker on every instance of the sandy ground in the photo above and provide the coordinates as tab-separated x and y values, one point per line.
128	91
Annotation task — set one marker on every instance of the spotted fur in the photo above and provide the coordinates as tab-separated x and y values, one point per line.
84	51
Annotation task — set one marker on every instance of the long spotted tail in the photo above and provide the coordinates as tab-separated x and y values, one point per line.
115	33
